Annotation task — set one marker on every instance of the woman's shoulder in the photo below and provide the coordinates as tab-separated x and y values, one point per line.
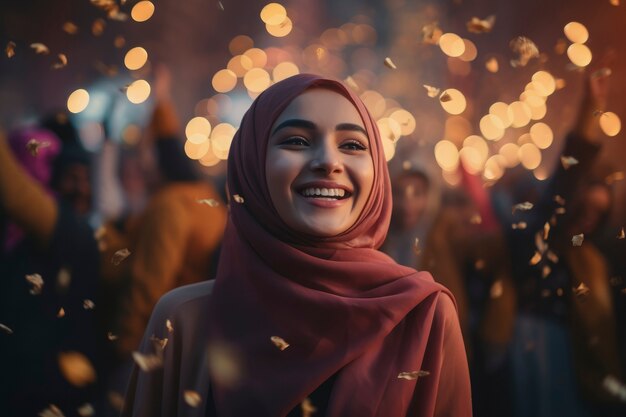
185	301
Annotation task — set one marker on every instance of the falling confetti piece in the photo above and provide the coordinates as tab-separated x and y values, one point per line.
492	65
70	28
238	198
36	282
86	410
445	97
431	33
350	81
220	5
97	27
525	206
61	62
568	161
476	25
76	368
192	398
211	202
147	363
582	290
416	248
40	48
519	226
616	176
10	49
112	337
33	146
577	240
307	408
168	325
496	289
279	342
621	234
61	313
545	271
535	259
432	91
525	50
546	231
559	200
119	256
602	72
552	257
51	411
611	383
159	343
88	304
6	329
389	63
560	210
412	375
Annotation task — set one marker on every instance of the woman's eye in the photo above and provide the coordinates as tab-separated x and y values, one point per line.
296	141
354	145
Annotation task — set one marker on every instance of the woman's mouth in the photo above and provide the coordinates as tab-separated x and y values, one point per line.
325	193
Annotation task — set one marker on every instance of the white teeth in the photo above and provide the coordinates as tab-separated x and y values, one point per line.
323	192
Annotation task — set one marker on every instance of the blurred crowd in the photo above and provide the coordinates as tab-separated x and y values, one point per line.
536	267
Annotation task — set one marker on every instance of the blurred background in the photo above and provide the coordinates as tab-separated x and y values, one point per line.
499	119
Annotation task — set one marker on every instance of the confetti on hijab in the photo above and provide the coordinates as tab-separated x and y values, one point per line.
432	91
192	398
6	329
10	49
525	49
279	342
119	256
582	290
307	408
33	146
61	61
36	283
159	344
412	375
577	240
148	362
168	325
40	48
525	206
211	202
568	161
476	25
51	411
389	63
76	368
86	410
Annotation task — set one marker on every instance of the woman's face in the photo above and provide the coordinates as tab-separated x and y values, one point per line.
319	164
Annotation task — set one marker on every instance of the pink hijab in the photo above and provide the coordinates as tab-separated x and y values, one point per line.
344	307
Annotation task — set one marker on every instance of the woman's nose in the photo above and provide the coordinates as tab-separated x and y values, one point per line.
327	158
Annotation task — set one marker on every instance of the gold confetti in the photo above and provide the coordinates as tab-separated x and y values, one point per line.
445	97
432	91
496	289
350	81
97	27
61	313
36	283
33	146
147	363
412	375
220	5
621	234
525	206
476	25
86	410
168	325
70	28
560	210
559	200
159	343
545	271
577	240
431	33
611	383
552	257
6	329
519	226
62	61
88	304
416	248
582	290
535	259
51	411
525	50
192	398
568	161
307	408
238	198
546	231
119	256
211	202
389	63
112	337
76	368
40	48
10	49
492	65
616	176
279	342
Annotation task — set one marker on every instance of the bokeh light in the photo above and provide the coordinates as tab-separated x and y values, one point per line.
284	70
280	30
78	101
529	155
256	80
576	32
224	80
491	127
198	128
579	54
135	58
610	123
446	155
452	44
138	91
541	135
454	102
142	11
273	14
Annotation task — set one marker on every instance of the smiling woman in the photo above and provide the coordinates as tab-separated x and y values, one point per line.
305	312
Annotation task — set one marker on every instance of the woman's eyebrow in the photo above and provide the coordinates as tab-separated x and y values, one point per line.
352	127
295	123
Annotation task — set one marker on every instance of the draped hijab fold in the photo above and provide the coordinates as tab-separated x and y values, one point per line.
344	307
